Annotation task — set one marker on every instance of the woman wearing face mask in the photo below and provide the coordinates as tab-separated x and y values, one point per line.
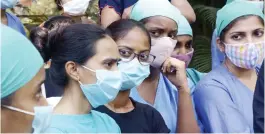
184	51
38	37
75	9
217	56
21	79
84	63
132	116
10	19
166	88
223	98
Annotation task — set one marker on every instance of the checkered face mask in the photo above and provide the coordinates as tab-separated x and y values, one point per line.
248	55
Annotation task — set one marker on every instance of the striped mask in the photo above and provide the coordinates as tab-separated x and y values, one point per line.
248	55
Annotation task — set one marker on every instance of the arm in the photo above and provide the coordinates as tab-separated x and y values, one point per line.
186	122
217	111
258	103
185	8
108	15
110	11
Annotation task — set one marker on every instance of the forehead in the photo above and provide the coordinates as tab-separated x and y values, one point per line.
247	24
161	22
106	48
135	39
183	38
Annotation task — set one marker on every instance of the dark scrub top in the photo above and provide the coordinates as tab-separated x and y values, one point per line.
258	103
142	119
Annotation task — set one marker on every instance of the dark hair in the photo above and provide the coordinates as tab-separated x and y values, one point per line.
121	28
39	36
229	26
72	43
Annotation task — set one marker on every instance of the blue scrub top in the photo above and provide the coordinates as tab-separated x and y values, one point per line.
217	56
166	101
224	104
95	122
14	22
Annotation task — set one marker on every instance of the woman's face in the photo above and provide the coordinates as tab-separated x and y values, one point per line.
106	58
184	44
136	42
159	26
26	98
246	30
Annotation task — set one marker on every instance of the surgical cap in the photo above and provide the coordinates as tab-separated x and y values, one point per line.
184	27
149	8
20	61
234	10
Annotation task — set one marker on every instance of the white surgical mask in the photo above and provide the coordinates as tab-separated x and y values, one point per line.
42	117
76	7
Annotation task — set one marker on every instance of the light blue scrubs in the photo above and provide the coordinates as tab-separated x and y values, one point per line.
14	22
166	101
224	104
95	122
217	56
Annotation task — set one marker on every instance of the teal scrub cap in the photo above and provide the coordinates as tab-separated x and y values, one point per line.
184	27
20	61
149	8
234	10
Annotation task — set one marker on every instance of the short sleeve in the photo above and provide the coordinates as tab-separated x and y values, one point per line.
217	112
159	125
116	4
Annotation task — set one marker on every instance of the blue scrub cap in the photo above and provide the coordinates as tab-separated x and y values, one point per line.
149	8
20	61
234	10
184	27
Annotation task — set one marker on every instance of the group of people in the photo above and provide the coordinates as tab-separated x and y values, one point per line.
130	74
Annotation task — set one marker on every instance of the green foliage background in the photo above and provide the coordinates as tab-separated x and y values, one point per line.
203	28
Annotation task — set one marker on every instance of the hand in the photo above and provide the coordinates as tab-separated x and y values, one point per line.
126	13
175	71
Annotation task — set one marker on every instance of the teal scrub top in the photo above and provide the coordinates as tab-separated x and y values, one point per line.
94	122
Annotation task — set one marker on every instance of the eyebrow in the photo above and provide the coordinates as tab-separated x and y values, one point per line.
111	60
133	49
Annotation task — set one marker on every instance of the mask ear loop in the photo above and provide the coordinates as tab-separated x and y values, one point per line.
18	110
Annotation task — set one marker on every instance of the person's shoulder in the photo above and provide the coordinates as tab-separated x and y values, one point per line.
102	117
105	120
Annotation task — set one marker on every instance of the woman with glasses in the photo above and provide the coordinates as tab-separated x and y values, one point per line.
130	115
167	88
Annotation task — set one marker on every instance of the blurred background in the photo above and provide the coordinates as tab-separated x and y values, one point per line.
203	28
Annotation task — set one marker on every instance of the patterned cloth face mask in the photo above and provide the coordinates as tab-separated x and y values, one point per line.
247	55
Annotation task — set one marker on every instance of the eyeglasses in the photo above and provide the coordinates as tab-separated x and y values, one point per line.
128	55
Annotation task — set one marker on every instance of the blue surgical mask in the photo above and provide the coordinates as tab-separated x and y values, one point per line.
42	117
133	73
105	89
8	3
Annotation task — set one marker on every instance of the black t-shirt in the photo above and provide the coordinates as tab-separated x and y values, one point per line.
142	119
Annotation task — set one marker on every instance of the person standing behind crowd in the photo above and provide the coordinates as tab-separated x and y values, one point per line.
184	50
84	63
165	89
217	56
223	98
39	37
10	19
132	116
21	79
112	10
